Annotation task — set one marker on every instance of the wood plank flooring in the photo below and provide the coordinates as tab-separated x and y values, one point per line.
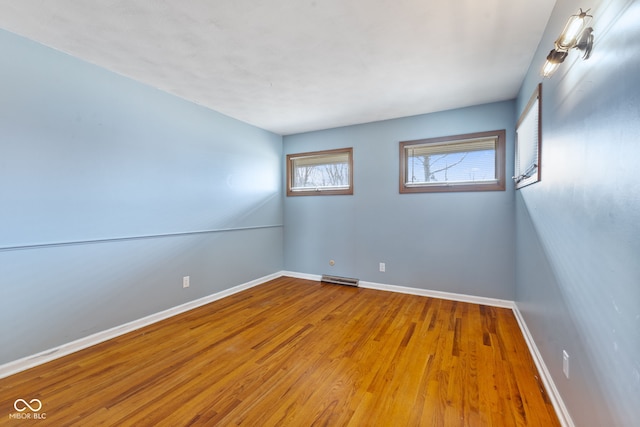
299	353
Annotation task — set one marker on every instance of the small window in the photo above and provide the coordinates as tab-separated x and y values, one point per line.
471	162
527	157
320	173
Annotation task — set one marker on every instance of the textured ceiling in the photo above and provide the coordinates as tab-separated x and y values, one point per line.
292	66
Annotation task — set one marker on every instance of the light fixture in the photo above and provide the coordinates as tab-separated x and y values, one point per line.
576	35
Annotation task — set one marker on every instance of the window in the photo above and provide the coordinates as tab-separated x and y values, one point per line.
471	162
527	158
320	173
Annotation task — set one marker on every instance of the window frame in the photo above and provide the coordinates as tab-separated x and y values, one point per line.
520	177
319	191
497	185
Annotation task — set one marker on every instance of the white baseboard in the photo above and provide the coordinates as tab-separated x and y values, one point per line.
545	375
314	277
25	363
494	302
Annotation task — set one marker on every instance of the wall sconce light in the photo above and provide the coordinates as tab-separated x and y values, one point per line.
576	35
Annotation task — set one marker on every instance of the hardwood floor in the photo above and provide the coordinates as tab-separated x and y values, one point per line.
299	353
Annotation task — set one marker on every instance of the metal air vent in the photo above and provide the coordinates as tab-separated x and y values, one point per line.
339	280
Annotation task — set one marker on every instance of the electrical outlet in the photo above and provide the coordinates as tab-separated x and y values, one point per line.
383	267
565	363
185	282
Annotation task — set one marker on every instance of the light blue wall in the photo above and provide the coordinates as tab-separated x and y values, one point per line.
578	230
454	242
88	157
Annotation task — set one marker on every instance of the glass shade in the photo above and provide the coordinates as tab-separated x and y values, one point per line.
572	31
554	59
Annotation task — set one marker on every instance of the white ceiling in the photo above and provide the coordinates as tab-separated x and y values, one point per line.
292	66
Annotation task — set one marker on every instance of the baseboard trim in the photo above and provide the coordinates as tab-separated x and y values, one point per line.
494	302
305	276
25	363
554	394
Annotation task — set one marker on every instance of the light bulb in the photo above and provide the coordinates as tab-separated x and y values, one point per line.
572	30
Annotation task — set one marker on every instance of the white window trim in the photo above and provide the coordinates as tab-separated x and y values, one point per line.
529	139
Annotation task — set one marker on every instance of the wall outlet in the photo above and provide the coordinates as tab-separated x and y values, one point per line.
383	267
565	363
185	282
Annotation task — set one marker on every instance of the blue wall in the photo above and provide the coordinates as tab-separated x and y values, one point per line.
578	230
112	191
453	242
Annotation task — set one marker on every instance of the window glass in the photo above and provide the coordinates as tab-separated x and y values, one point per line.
320	173
527	156
457	163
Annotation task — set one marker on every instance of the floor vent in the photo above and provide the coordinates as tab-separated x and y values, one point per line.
339	280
